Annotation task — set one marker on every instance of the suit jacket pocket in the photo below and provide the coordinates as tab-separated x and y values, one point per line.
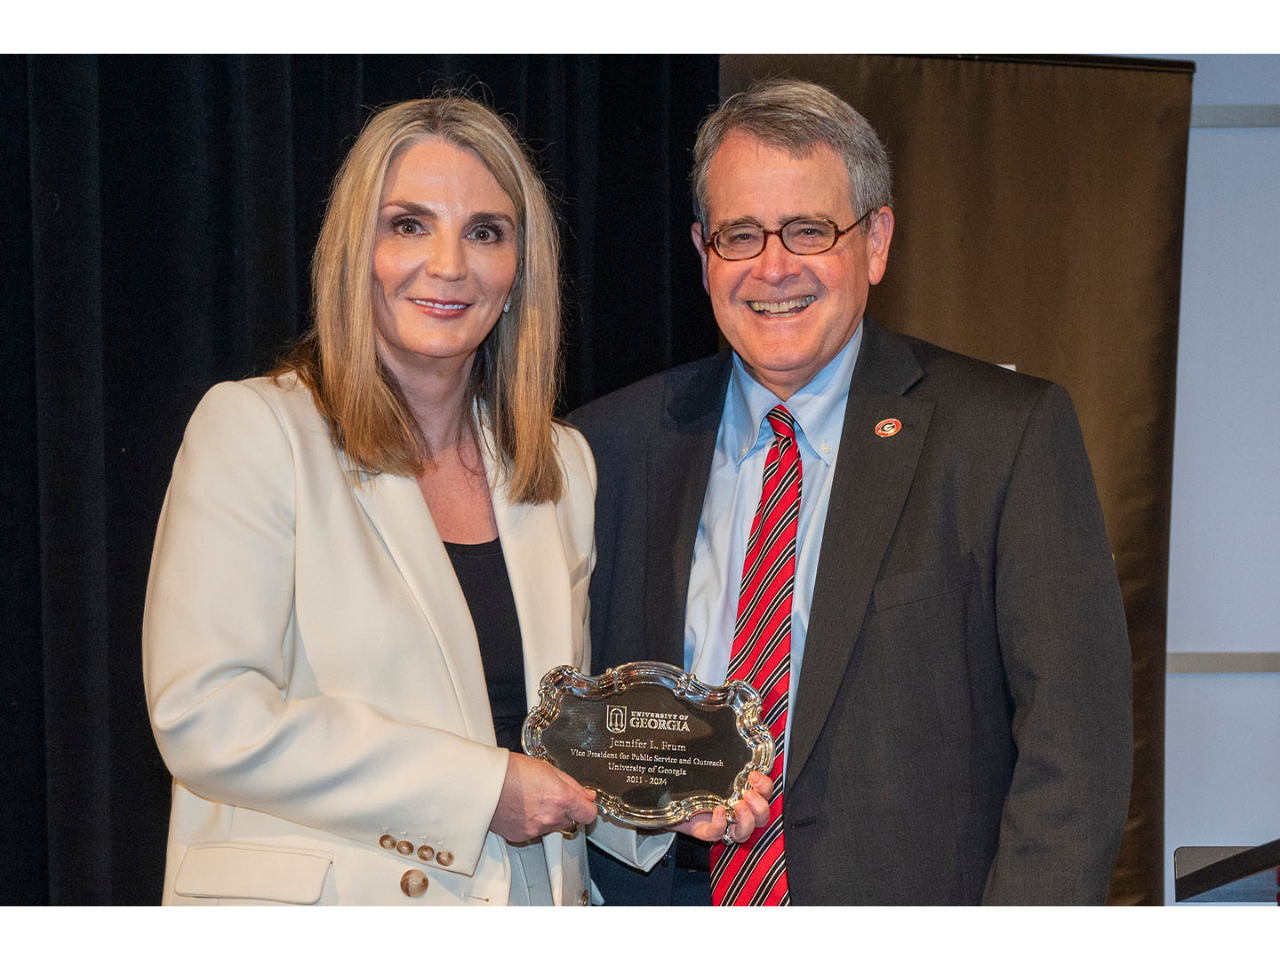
936	581
248	871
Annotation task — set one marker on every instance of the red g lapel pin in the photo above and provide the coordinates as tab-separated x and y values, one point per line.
887	428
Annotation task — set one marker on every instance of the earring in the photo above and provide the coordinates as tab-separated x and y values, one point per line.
506	307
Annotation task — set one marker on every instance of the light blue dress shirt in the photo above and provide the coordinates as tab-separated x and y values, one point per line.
733	493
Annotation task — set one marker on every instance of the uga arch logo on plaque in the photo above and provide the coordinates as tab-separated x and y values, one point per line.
616	720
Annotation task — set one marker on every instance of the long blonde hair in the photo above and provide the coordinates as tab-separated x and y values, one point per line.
516	373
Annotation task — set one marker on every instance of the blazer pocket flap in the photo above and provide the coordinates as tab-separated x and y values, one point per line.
936	581
243	871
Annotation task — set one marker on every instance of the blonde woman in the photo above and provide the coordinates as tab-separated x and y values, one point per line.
366	562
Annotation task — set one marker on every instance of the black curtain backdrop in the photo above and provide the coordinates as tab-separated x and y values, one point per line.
1039	223
158	218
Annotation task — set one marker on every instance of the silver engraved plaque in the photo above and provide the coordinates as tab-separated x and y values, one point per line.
656	744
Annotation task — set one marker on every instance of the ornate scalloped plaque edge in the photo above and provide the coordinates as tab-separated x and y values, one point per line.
656	743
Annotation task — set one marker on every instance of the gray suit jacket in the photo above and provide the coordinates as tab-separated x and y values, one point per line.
962	729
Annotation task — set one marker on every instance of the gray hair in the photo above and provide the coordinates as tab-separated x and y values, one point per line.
797	116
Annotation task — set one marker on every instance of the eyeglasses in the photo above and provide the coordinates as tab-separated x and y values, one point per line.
803	237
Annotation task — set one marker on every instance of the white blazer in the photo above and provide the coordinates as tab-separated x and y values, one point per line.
313	675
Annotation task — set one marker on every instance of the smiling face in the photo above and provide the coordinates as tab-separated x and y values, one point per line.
785	315
445	255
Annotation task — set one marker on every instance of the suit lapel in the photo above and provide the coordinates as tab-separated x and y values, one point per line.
873	475
530	535
679	462
395	507
531	541
539	574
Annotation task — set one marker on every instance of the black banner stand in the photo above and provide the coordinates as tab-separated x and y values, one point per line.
1227	874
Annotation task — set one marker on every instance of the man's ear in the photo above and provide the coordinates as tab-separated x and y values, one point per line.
878	239
695	232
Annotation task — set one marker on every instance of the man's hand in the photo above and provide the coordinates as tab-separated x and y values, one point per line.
537	798
751	813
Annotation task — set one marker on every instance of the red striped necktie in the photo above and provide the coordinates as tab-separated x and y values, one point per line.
755	872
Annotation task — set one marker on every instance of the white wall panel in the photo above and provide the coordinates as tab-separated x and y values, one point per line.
1224	546
1222	762
1222	730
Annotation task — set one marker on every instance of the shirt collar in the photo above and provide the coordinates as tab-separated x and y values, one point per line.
818	406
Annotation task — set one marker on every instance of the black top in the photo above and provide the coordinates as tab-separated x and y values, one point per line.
482	573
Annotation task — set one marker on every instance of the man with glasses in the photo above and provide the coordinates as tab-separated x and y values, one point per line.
901	548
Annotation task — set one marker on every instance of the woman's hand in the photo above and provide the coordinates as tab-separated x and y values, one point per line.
751	813
537	798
